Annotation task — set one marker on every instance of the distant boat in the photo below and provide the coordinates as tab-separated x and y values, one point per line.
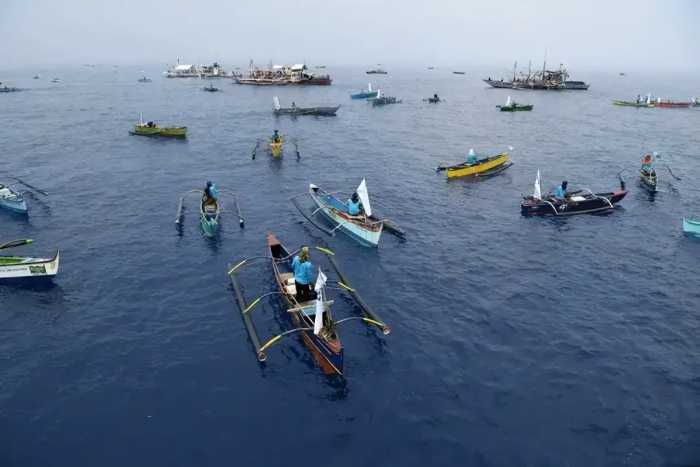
296	111
36	76
365	94
622	73
377	71
210	88
145	79
458	72
55	80
431	68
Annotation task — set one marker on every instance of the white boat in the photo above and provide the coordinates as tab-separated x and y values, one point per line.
18	267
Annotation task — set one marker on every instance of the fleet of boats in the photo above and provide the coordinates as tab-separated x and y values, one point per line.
282	75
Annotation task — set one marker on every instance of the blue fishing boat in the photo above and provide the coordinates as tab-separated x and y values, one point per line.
12	200
691	226
365	93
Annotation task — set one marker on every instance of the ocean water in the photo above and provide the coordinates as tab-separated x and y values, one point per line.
516	341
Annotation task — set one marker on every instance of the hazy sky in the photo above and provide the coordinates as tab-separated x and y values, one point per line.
591	35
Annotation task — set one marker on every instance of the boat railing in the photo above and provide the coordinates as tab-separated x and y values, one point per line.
554	208
598	197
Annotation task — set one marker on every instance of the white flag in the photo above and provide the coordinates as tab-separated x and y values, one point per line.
538	191
318	319
364	197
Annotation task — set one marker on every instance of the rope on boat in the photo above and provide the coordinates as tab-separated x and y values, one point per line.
38	190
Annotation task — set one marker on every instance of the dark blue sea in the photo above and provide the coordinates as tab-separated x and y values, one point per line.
515	341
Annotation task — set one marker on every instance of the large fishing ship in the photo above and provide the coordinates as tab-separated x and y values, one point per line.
282	75
180	70
544	79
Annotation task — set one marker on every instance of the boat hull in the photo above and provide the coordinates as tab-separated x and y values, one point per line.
691	226
363	232
483	166
276	148
14	267
316	111
499	84
209	219
364	95
598	202
167	132
515	108
328	352
639	105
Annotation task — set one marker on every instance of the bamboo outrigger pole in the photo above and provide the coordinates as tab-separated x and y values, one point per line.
252	333
369	313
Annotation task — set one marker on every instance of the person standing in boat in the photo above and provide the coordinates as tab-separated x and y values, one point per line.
303	275
210	193
648	164
354	206
276	136
471	157
560	192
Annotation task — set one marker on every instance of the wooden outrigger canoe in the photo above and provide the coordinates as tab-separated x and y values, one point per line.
648	180
209	212
366	228
482	168
324	344
275	147
21	267
13	200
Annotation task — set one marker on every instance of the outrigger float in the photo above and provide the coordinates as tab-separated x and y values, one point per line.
19	267
210	209
311	319
13	200
578	202
366	228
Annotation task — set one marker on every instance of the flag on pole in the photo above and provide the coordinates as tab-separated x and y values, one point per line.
318	318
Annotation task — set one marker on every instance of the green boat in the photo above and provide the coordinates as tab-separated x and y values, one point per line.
152	129
639	103
512	106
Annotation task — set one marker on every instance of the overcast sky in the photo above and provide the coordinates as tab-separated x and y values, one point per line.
585	35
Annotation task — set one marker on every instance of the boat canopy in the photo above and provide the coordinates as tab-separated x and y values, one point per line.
364	197
183	67
298	67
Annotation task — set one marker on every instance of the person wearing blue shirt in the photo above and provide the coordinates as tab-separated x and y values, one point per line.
354	205
276	136
560	192
471	158
303	275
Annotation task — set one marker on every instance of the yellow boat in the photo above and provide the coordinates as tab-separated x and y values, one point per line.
483	167
151	129
276	148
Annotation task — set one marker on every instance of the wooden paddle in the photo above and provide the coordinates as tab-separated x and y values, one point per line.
15	243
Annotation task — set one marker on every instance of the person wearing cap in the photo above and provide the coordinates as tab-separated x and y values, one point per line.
354	205
303	275
560	192
276	136
210	193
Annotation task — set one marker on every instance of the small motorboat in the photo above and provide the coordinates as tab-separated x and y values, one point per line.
512	106
482	168
384	100
691	226
6	88
365	94
12	200
295	111
152	129
19	267
433	100
458	72
211	88
145	79
577	202
56	80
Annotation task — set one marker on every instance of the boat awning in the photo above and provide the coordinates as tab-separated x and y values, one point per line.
298	67
183	67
